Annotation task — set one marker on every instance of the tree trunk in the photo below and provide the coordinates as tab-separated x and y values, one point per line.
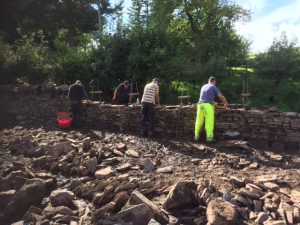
100	23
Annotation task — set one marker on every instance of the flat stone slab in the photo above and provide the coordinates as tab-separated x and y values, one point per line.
104	173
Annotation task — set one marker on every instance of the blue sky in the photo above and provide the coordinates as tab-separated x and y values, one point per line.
269	19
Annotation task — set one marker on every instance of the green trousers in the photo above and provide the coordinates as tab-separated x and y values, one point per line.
205	114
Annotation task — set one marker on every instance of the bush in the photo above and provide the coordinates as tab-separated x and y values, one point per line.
7	61
71	63
31	58
288	99
25	60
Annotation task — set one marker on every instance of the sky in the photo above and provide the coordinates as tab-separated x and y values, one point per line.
269	18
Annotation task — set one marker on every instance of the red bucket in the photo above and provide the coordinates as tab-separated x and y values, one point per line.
64	120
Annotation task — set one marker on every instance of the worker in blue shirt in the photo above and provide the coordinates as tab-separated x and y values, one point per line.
205	109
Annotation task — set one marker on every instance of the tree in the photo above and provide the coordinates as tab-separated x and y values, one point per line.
26	59
184	40
110	61
280	63
177	40
104	9
76	16
7	61
71	63
211	26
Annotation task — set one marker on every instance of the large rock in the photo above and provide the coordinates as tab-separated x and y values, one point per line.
86	144
266	178
106	196
61	197
132	153
261	218
137	198
272	186
296	215
147	164
33	215
61	148
295	193
167	169
220	212
14	180
42	161
104	173
153	222
274	222
120	200
126	186
181	195
16	166
21	222
92	165
5	197
121	147
124	167
31	194
135	215
50	211
65	219
99	213
237	182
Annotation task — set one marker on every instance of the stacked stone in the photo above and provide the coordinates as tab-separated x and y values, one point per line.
32	107
174	120
186	120
267	124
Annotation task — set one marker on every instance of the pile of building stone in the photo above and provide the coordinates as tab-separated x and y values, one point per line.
96	178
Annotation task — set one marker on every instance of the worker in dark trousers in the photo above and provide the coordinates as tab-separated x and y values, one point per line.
149	99
76	94
122	93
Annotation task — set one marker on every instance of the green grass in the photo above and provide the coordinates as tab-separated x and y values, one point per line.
286	94
177	88
241	69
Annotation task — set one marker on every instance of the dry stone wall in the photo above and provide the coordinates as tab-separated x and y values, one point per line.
267	124
272	127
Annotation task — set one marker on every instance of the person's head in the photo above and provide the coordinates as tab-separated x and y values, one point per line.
156	81
78	82
126	84
212	80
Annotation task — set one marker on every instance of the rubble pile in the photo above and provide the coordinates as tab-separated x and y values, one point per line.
92	177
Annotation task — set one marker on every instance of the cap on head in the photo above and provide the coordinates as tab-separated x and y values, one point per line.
126	82
157	80
78	82
212	79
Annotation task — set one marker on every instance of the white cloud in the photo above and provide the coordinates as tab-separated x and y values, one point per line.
264	28
253	5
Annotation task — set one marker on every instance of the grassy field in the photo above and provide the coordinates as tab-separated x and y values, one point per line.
262	94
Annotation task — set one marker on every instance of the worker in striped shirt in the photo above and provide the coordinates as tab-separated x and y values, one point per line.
149	99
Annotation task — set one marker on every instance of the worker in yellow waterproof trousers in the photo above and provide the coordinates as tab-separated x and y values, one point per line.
205	109
205	113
